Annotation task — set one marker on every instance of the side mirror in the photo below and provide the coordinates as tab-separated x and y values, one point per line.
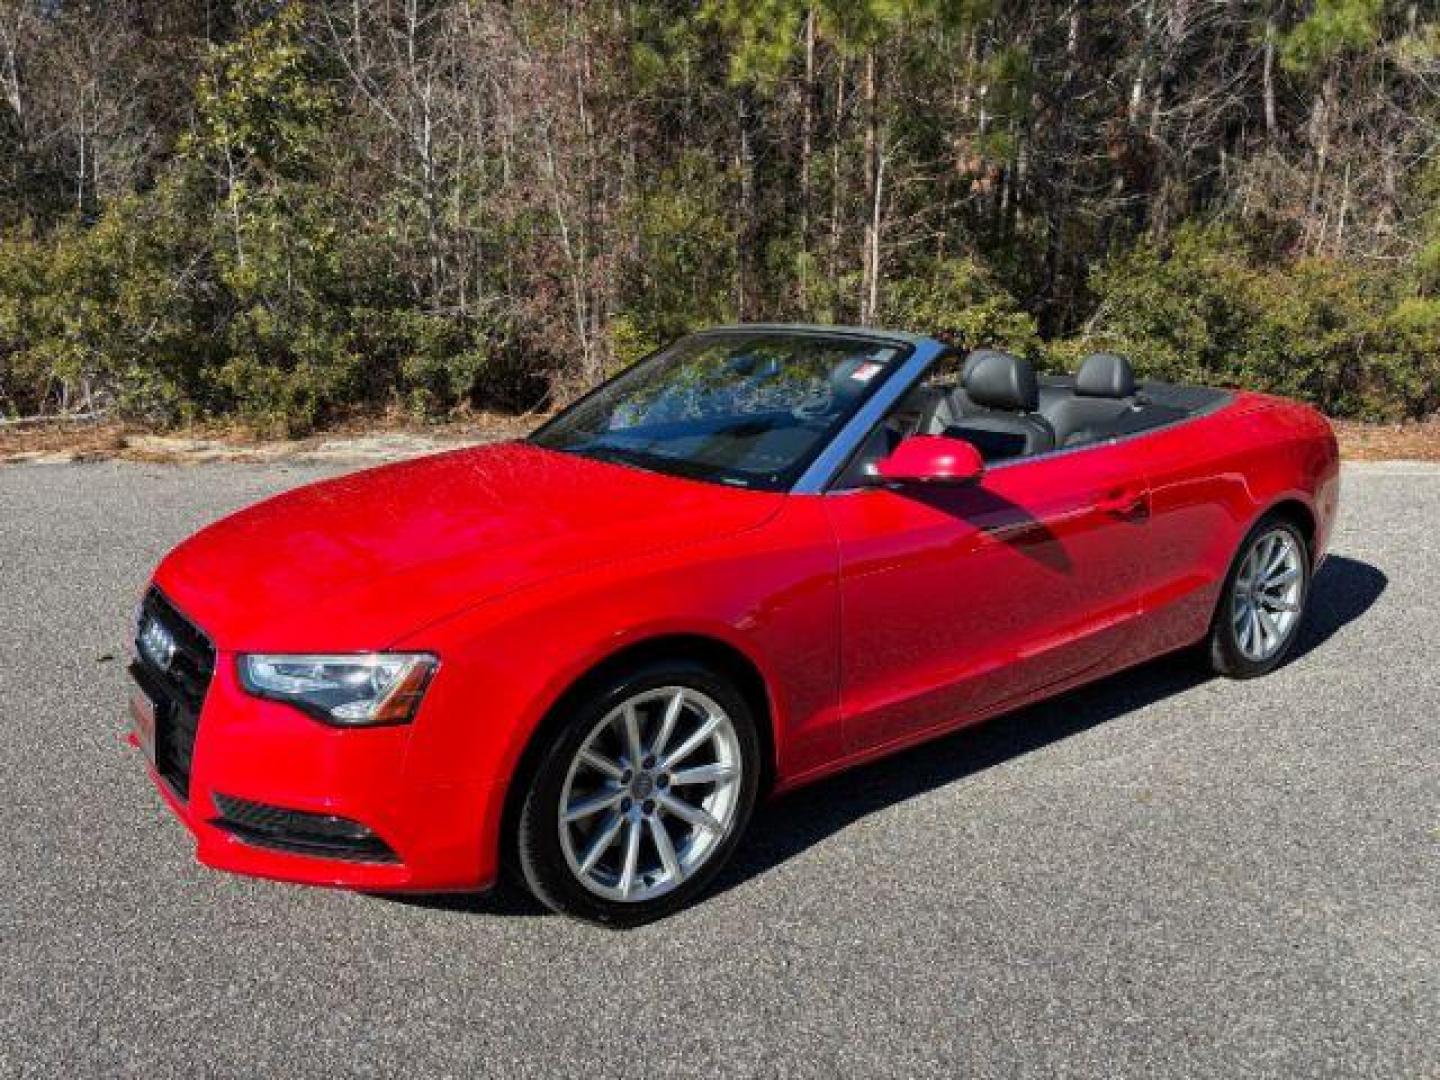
931	459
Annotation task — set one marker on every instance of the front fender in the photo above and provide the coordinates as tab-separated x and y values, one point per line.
771	595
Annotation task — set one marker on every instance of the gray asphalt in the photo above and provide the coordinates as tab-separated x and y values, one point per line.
1162	875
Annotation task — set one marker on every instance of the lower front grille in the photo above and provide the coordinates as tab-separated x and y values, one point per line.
301	833
176	682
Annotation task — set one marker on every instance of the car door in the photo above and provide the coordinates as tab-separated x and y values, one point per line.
957	600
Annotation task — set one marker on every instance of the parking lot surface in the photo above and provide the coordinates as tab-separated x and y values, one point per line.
1161	875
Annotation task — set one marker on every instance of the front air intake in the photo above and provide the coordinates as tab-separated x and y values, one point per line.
322	835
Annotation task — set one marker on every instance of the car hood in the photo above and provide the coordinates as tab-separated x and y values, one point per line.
358	562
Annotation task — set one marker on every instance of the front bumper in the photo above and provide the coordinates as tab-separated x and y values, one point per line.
429	837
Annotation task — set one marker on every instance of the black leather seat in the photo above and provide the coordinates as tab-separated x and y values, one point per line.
949	408
1104	392
1002	421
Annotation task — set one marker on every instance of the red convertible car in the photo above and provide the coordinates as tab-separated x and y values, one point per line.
763	555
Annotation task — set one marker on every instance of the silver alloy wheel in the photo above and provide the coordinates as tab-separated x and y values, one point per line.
650	794
1265	603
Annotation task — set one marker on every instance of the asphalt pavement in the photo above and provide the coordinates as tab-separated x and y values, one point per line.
1161	875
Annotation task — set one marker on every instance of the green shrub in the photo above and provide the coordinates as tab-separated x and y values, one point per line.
1354	341
684	254
956	299
628	341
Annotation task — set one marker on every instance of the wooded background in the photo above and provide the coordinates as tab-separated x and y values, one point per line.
293	214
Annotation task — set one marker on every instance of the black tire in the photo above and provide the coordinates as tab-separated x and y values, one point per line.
1223	648
538	852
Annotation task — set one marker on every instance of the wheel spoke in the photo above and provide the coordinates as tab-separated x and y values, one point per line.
663	844
693	743
1257	633
1254	565
1246	575
1263	629
691	814
593	804
634	748
632	857
600	764
717	773
601	842
1263	550
673	708
1280	551
1281	578
1275	603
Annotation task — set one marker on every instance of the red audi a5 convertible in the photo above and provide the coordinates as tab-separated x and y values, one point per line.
763	555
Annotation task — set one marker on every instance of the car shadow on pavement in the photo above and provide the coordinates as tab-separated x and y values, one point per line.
1343	591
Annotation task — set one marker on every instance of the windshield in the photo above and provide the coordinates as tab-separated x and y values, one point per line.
750	409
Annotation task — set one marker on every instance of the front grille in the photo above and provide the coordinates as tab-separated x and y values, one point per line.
299	832
178	688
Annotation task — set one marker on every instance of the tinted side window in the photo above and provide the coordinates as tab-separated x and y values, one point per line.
922	411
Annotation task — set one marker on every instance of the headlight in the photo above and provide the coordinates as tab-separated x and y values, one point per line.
352	691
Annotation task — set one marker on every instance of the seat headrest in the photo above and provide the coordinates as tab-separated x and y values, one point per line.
843	381
973	358
997	380
1105	375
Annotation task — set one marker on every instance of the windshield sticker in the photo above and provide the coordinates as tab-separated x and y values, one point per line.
866	371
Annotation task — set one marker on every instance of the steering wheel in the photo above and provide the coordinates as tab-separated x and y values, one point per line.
816	405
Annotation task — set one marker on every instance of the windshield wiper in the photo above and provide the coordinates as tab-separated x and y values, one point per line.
658	463
610	453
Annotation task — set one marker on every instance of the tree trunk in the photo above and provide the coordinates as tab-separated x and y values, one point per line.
746	234
1268	79
233	199
870	262
80	164
807	140
1137	84
10	79
872	307
1344	211
1321	123
835	171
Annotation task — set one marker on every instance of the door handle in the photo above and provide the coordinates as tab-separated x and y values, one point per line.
1128	504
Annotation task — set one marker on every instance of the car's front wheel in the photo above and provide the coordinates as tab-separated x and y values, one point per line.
640	795
1258	618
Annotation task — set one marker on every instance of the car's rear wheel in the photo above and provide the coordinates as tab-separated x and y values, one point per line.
640	795
1263	603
